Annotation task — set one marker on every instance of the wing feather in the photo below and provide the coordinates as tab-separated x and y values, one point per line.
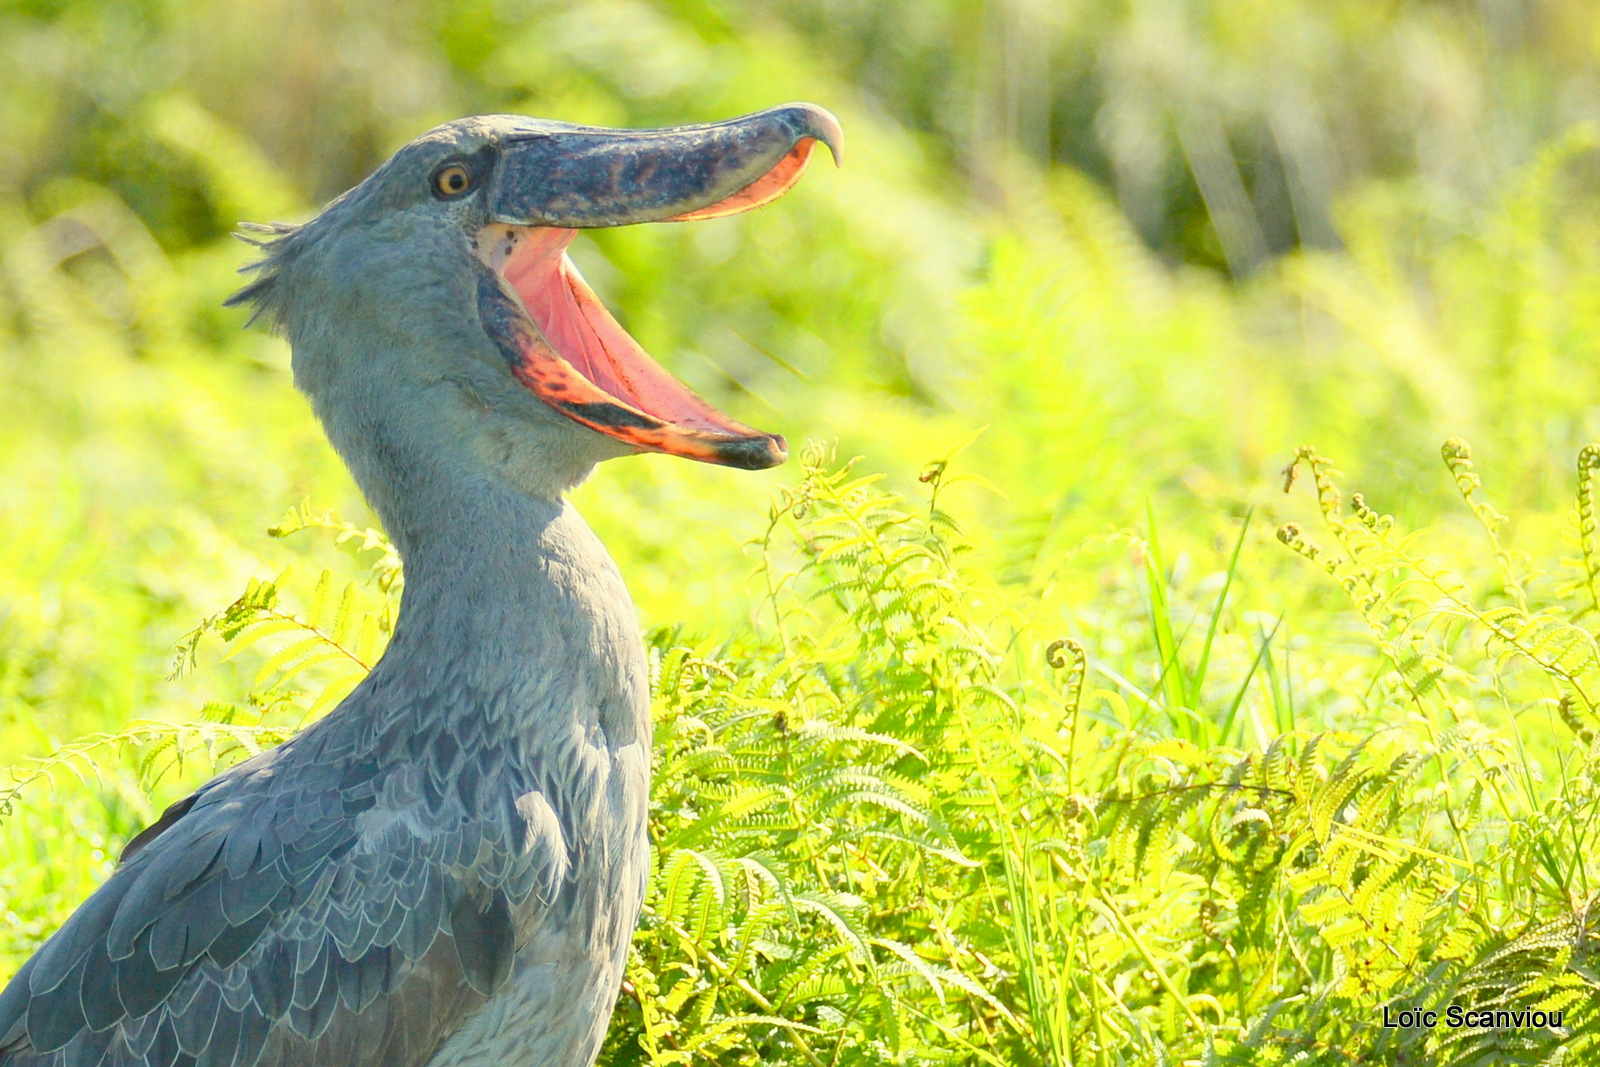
484	940
194	1027
265	924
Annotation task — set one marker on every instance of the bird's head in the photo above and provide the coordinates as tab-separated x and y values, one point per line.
433	309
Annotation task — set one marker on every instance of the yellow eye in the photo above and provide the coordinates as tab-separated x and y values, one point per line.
452	180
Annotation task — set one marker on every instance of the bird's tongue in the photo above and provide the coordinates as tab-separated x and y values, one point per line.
585	365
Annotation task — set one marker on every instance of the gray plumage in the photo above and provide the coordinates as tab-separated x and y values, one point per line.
447	869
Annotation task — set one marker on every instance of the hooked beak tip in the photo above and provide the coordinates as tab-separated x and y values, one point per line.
819	123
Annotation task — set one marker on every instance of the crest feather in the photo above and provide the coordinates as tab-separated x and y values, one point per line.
278	242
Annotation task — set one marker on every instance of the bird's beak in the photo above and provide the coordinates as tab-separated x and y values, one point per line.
560	340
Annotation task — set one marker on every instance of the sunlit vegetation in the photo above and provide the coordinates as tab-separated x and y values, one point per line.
1087	717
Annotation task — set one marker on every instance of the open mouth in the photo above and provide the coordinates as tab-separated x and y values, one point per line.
565	346
582	362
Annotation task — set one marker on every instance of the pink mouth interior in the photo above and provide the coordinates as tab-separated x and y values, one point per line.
585	334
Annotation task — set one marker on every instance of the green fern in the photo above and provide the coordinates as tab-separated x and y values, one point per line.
307	662
898	831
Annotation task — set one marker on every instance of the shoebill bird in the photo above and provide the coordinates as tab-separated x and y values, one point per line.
447	869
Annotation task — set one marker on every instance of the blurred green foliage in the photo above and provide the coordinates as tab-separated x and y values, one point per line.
1142	249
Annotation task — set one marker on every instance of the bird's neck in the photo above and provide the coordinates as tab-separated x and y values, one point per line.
514	621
